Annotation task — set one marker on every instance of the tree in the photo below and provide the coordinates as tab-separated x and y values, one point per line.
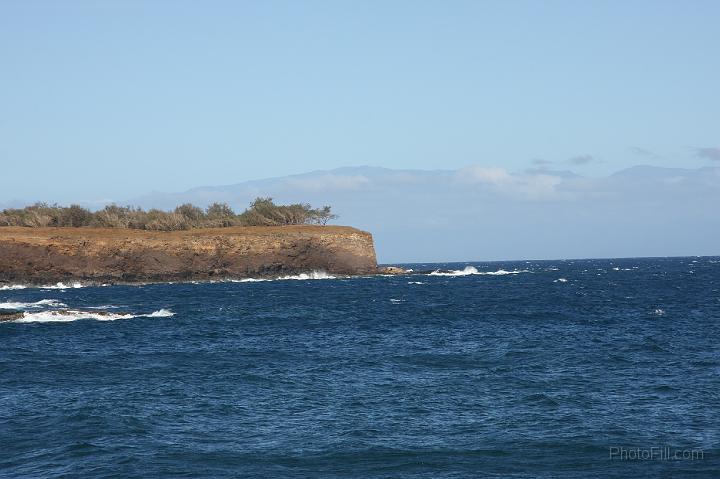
323	215
193	214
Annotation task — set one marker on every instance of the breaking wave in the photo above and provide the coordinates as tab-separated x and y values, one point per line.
64	316
502	272
160	313
75	285
470	270
301	276
53	303
310	275
62	286
464	272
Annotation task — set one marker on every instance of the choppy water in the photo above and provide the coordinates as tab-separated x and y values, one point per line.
536	370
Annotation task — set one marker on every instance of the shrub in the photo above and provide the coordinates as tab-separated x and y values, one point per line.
262	212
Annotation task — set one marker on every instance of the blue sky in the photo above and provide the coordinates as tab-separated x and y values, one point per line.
109	100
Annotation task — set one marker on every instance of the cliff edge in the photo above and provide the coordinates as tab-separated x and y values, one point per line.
49	255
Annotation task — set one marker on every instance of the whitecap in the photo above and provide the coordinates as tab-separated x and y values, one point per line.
8	287
53	303
560	280
65	316
469	270
464	272
63	286
160	313
311	275
502	272
659	312
415	282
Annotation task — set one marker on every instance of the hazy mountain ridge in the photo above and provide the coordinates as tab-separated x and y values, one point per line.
490	213
492	180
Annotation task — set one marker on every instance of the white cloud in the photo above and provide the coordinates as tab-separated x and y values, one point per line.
527	186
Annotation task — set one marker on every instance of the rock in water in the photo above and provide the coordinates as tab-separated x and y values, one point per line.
10	314
392	270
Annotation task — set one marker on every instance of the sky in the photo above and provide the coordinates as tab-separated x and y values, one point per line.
102	101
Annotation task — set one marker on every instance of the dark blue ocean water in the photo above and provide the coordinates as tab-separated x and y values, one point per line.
479	375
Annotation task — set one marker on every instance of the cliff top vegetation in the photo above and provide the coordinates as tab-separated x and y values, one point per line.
261	212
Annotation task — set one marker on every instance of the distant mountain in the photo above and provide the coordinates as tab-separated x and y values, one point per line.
647	173
490	213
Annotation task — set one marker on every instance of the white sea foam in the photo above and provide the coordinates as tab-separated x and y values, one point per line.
301	276
160	313
415	282
53	303
396	301
469	270
310	275
659	312
464	272
63	286
502	272
560	280
8	287
64	316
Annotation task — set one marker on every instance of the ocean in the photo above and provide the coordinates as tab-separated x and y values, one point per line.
529	369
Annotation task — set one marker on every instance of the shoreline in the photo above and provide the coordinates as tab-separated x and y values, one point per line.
301	276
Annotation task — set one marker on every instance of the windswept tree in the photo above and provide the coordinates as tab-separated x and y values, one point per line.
323	215
264	212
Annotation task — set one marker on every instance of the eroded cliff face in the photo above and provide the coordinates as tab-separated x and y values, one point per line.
49	255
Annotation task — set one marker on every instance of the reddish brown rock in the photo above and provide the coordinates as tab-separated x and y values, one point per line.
393	270
49	255
10	314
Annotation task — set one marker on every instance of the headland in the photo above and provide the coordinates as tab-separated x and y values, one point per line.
114	255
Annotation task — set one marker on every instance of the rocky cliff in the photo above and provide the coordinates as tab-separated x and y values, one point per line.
49	255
